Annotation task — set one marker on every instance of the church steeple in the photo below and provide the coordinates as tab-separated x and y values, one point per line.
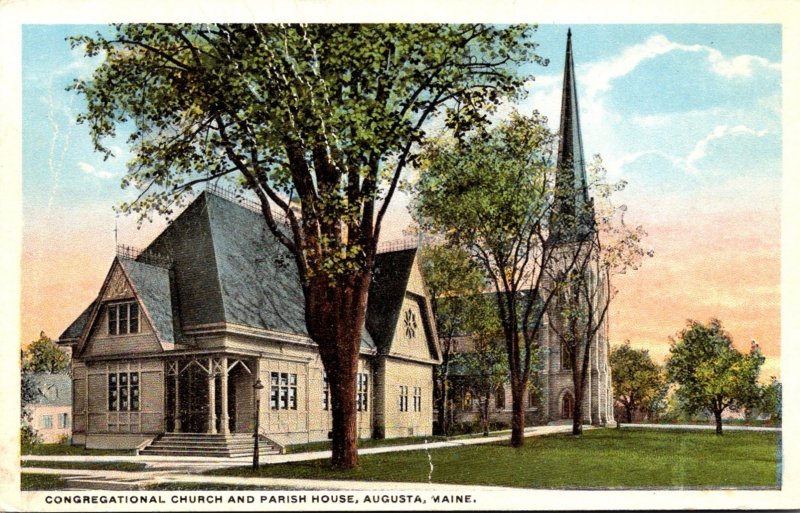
572	209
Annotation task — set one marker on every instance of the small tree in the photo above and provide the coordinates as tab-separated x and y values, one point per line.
711	374
453	282
636	379
483	363
28	394
44	355
769	404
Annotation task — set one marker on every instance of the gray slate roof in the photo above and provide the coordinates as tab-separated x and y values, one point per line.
227	267
386	293
53	389
152	285
76	328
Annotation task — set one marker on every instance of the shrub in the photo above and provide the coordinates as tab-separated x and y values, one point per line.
28	437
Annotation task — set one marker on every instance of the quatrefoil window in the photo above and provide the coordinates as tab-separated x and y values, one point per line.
410	324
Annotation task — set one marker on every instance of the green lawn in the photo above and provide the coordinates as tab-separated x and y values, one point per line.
88	465
70	450
602	458
35	482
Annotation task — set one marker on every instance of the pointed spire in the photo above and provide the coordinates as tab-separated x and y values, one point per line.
571	175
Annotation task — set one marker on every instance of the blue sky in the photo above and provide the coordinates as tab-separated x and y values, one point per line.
689	115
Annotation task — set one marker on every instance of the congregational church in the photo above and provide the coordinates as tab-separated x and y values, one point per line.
172	354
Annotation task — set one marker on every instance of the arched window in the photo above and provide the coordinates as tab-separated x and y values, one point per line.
567	405
500	398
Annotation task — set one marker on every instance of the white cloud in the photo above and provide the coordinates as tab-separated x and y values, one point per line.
689	162
598	76
700	148
90	170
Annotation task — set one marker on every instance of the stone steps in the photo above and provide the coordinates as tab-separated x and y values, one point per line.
207	445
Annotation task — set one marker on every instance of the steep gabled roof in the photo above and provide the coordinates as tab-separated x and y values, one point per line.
229	268
151	288
76	328
151	285
386	293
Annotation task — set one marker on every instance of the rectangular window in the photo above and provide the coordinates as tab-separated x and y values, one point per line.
123	391
134	385
63	420
112	392
417	399
362	388
283	391
123	318
47	422
326	392
273	391
403	398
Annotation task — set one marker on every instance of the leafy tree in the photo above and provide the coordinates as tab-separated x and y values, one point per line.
489	194
482	360
28	394
44	355
636	379
769	403
453	282
712	375
325	115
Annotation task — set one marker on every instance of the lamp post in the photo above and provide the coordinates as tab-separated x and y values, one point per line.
257	387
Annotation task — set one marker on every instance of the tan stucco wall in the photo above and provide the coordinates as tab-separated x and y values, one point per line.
90	399
397	373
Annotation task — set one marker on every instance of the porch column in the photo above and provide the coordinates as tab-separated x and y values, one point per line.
212	406
177	400
223	399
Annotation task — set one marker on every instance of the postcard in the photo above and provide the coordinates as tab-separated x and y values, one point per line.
343	258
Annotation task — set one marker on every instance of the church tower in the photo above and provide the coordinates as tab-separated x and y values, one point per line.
573	229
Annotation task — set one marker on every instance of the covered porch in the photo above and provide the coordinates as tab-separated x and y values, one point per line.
210	394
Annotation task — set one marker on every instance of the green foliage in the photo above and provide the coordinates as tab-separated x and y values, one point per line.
488	192
28	437
712	375
769	404
44	355
637	381
452	280
324	115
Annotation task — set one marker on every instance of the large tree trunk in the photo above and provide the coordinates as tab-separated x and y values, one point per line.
718	421
517	414
629	412
335	318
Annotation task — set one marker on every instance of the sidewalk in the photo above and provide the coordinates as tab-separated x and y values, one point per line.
700	427
161	470
202	464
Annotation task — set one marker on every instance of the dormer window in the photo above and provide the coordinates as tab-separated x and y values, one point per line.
123	318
